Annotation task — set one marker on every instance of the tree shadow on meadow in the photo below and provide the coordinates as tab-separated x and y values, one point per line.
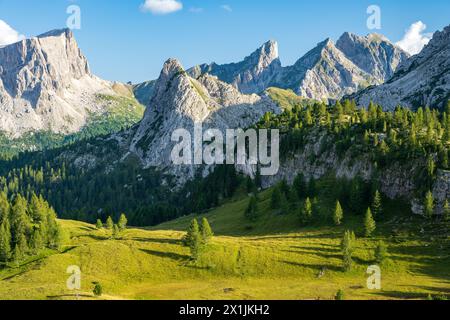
158	240
315	267
169	255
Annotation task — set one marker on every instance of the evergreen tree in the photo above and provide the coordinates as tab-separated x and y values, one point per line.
251	213
98	289
276	198
20	226
109	223
99	224
193	240
115	231
340	295
191	233
5	241
347	247
4	207
307	211
377	206
381	252
206	231
446	211
122	224
429	205
338	214
300	186
369	224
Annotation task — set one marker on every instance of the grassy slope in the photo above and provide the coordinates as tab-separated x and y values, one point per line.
274	260
121	111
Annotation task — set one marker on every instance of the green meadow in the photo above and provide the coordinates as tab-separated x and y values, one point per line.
272	258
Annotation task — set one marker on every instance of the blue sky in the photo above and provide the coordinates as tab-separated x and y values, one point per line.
124	42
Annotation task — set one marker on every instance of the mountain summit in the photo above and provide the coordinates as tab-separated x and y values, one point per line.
46	85
252	75
329	71
181	101
422	80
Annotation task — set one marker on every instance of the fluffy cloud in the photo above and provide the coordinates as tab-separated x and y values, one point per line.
8	35
415	39
161	6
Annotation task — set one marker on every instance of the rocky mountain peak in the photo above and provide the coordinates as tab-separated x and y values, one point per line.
268	52
172	67
374	54
422	80
42	81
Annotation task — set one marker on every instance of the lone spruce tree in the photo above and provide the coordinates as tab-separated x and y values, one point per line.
109	223
307	211
347	250
377	206
122	224
369	224
338	214
99	224
193	240
381	252
206	231
429	205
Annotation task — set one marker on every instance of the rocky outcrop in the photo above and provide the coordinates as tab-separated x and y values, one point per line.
323	73
180	101
374	54
252	75
422	80
46	84
329	71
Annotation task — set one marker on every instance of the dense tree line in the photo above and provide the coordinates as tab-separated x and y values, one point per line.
403	135
148	197
26	227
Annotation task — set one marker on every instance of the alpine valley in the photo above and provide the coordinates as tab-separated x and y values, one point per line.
364	175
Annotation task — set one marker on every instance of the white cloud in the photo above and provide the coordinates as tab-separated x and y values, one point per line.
161	6
8	35
415	39
227	7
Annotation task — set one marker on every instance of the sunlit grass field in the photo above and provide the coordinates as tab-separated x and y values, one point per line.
273	258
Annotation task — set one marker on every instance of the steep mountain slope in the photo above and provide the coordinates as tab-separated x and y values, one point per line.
423	80
179	101
323	73
46	85
374	54
252	75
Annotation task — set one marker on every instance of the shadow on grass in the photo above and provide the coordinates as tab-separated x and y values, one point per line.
169	255
319	254
333	235
155	240
402	295
94	237
70	296
315	267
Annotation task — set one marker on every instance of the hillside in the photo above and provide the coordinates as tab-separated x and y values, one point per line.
276	259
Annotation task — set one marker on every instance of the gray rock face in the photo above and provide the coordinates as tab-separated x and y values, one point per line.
252	75
422	80
374	54
323	73
180	101
46	84
329	71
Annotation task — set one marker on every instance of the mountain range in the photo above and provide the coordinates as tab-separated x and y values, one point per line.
46	83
